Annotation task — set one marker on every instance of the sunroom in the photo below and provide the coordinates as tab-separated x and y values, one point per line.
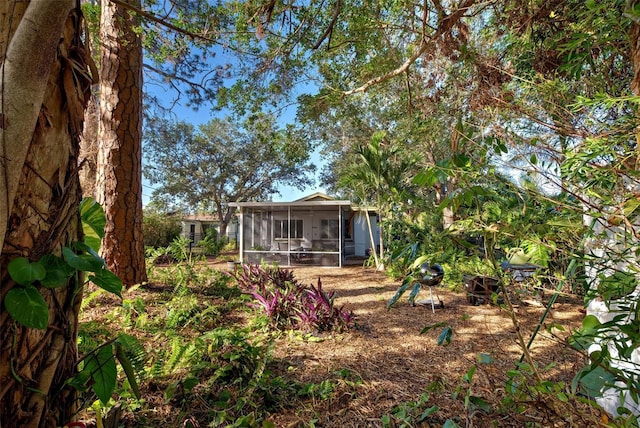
315	231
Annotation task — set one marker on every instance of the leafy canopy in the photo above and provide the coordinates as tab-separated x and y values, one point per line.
224	160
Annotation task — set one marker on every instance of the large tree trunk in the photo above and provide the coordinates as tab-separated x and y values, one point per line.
44	92
89	149
119	179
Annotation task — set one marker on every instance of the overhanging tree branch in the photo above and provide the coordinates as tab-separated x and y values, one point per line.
444	26
162	22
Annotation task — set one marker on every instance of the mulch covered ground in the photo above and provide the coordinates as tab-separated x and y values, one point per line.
397	364
384	366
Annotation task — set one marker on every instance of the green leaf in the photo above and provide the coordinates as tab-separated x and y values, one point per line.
93	222
83	262
24	272
450	424
58	271
468	376
128	369
461	160
444	338
590	322
405	285
617	285
79	381
485	358
479	403
414	292
426	178
436	325
108	281
592	381
630	206
102	367
27	306
430	411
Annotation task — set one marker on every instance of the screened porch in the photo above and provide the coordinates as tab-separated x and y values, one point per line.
315	233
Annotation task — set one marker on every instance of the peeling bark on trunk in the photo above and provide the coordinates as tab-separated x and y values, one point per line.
119	179
42	210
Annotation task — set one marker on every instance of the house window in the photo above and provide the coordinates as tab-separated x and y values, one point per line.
329	229
283	231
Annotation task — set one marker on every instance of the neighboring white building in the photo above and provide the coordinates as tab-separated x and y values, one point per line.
194	227
315	230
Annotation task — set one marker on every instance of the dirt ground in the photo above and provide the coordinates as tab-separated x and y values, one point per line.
397	364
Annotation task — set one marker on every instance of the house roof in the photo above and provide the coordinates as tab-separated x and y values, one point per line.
318	196
315	199
200	217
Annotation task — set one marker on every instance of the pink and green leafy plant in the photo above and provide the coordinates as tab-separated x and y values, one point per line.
289	304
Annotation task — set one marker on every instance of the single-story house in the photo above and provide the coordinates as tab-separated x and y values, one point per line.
195	226
316	230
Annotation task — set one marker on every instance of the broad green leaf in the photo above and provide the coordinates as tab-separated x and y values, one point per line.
57	271
102	367
630	206
417	262
593	381
108	281
461	160
82	247
25	272
444	338
83	262
426	178
590	322
27	306
93	222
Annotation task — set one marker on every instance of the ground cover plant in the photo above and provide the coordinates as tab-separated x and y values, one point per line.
209	357
290	304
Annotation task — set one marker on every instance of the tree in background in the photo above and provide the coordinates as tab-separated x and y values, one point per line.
224	161
119	165
44	87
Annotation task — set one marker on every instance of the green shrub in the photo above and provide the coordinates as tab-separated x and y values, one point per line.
159	229
211	244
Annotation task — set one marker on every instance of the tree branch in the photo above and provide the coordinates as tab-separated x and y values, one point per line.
444	26
329	29
162	22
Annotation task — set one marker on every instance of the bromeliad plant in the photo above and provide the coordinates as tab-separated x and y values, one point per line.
290	304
